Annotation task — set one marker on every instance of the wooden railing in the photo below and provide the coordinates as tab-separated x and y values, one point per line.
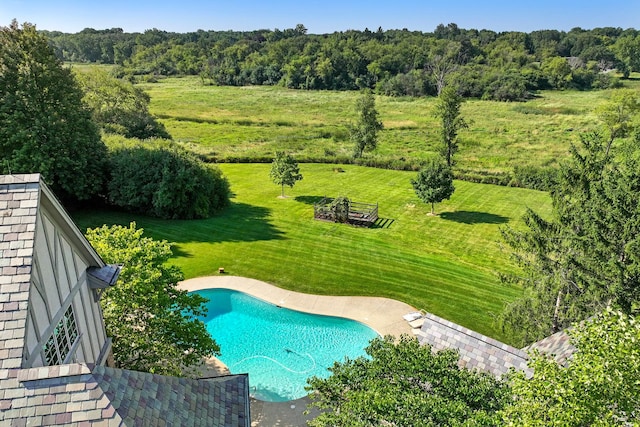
360	214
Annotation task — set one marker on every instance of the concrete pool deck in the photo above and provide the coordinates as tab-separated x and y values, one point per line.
383	315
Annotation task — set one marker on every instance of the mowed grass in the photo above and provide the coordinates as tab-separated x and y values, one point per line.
447	264
254	122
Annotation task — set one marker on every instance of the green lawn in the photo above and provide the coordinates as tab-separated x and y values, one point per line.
255	121
446	264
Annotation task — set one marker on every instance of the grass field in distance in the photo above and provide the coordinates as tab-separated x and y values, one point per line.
255	121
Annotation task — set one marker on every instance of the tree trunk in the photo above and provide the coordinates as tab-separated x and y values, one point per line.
556	313
282	191
432	208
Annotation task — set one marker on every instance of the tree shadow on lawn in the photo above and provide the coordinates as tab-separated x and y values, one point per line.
383	223
309	200
238	222
471	217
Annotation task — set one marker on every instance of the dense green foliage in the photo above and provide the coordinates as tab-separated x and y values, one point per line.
487	64
599	386
154	325
44	126
164	180
617	115
404	383
364	132
444	264
434	182
451	122
587	255
284	171
119	107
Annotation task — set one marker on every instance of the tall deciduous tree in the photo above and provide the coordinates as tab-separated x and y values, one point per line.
364	133
284	170
587	255
404	383
451	122
434	182
599	386
44	126
627	49
153	324
445	58
118	106
558	72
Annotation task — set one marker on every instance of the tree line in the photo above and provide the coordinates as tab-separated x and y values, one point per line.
480	63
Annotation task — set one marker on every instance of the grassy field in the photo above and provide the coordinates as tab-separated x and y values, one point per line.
254	122
445	264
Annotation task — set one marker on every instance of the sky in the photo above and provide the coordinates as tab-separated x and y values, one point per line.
320	17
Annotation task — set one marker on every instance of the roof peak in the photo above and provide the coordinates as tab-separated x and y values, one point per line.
20	178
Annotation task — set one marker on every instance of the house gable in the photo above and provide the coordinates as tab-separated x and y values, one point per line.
44	262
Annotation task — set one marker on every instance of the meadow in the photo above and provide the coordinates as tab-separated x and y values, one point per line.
251	123
446	264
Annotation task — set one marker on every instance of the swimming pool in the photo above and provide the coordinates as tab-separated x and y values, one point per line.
278	347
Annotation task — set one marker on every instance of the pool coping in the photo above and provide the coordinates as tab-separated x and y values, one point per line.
383	315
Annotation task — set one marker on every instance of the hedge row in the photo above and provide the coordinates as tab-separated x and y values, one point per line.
535	178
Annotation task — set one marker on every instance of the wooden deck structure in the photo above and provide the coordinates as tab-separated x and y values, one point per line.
359	214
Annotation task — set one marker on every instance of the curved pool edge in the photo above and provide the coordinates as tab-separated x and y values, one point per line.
383	315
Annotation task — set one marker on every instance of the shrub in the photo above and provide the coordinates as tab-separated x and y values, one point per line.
509	86
413	83
535	178
165	181
470	80
482	177
340	208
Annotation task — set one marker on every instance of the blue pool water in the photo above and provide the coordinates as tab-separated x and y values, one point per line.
278	347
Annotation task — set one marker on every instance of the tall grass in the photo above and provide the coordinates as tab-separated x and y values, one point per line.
251	123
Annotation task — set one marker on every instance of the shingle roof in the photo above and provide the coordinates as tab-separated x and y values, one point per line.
81	394
557	345
101	396
476	351
487	354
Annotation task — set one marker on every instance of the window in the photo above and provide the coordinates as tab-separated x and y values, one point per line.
62	339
